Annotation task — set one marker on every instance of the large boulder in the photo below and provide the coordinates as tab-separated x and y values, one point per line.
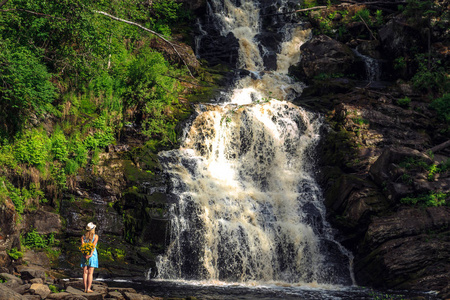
40	289
403	254
323	55
399	39
7	293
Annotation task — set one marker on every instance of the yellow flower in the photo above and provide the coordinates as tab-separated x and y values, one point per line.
87	248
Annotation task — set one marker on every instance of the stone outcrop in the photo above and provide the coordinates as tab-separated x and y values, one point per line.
374	158
325	56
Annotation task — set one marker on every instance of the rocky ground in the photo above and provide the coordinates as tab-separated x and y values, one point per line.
34	284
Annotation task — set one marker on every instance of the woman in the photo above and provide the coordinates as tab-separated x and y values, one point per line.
89	262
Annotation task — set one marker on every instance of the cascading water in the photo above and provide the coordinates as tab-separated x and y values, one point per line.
247	206
373	69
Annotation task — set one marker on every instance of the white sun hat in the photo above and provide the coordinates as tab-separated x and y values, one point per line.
90	226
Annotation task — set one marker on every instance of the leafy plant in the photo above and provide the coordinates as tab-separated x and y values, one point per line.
34	240
404	102
363	14
431	199
14	253
26	88
442	107
430	76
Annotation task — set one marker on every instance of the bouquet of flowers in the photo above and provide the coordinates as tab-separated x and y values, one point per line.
86	249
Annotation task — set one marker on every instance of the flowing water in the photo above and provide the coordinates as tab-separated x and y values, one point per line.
248	218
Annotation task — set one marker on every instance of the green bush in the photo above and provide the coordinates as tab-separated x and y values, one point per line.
404	102
26	89
59	146
442	107
34	240
32	148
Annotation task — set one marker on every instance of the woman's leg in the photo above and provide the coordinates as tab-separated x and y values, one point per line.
90	278
85	277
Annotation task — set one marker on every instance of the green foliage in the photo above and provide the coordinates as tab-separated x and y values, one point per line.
418	11
404	102
430	76
25	90
379	18
363	14
32	148
53	288
360	121
399	63
14	253
34	240
309	3
59	145
105	74
432	199
442	107
154	93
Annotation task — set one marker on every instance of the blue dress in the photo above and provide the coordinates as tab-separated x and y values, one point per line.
93	261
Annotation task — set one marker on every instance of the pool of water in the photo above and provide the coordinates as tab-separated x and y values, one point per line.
217	290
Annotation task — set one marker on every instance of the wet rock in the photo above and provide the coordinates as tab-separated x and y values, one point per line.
326	56
220	50
194	4
40	289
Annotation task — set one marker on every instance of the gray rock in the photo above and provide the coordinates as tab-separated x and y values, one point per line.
22	289
43	221
324	55
8	294
133	296
32	297
30	272
60	296
37	280
11	279
40	289
121	290
89	296
116	295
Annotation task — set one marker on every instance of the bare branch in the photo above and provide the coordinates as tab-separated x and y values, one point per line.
439	147
345	3
146	29
367	26
295	11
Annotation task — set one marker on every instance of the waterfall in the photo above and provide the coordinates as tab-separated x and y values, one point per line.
373	69
247	207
